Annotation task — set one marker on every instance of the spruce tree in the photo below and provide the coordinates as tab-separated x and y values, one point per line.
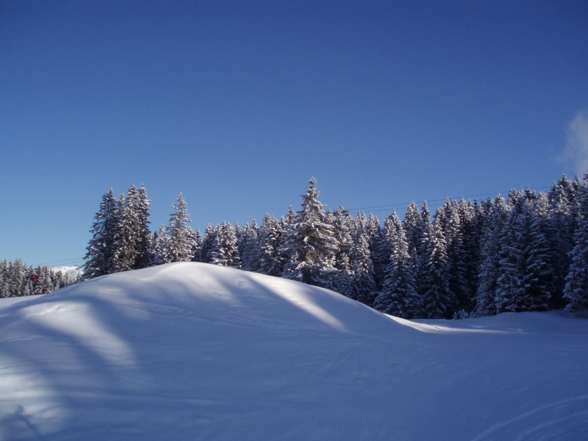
225	251
133	237
398	295
101	248
181	236
437	299
495	212
310	243
576	287
250	247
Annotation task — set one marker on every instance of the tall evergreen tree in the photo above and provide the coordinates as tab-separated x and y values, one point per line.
310	243
271	260
365	234
561	224
496	212
437	299
159	247
398	295
132	238
525	282
101	248
181	236
576	288
249	246
226	251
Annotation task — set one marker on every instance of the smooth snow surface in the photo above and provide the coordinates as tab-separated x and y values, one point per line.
191	351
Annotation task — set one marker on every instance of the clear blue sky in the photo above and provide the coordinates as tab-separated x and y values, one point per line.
237	104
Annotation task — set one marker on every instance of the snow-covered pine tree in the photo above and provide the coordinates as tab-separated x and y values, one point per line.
196	241
471	221
208	242
309	242
133	237
451	218
576	287
398	295
365	232
437	299
180	245
250	247
101	248
525	281
342	224
159	247
382	249
225	251
560	225
496	212
271	262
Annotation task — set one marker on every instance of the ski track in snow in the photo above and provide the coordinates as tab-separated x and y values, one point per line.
197	352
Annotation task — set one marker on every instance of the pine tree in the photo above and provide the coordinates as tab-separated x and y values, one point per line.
133	237
159	247
496	212
310	243
342	279
270	236
576	287
437	299
398	295
101	248
208	242
225	251
360	259
525	282
181	236
249	246
560	225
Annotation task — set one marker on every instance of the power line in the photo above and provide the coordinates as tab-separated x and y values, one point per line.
375	208
63	262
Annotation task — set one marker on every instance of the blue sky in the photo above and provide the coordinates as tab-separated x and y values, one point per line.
238	104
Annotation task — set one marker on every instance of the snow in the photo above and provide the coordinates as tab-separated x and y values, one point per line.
191	351
72	271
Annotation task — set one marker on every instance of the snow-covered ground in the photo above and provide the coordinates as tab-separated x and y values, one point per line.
191	351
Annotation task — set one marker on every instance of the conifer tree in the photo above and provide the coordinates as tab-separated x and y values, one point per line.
576	288
496	213
132	237
364	233
101	248
525	282
159	247
270	236
225	250
181	236
561	224
310	243
250	247
342	278
398	295
436	297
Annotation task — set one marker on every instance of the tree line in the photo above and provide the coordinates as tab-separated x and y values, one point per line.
523	252
19	279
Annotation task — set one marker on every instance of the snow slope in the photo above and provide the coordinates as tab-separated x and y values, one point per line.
192	351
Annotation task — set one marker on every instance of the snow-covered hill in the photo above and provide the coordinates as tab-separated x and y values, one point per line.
191	351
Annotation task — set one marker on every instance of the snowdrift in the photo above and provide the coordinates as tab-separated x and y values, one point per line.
192	351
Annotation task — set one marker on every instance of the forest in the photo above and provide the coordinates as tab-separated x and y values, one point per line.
19	279
526	251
